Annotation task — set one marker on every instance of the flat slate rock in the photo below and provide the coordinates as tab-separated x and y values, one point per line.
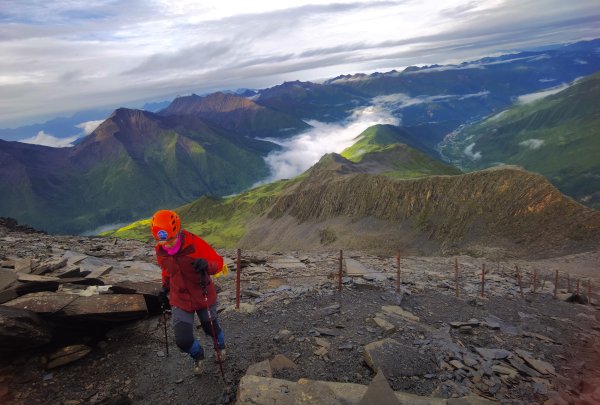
398	311
7	277
67	355
151	287
286	263
107	307
379	392
354	268
493	354
398	360
42	302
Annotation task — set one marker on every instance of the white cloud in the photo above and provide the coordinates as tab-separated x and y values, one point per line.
89	126
304	150
531	97
400	100
532	144
45	139
469	152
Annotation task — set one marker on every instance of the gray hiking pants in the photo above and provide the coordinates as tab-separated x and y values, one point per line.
183	326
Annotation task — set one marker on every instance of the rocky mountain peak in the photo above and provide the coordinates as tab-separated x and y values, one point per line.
213	103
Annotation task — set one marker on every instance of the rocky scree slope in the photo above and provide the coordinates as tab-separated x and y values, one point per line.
434	347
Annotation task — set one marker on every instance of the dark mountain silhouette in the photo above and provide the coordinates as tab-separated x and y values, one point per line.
237	114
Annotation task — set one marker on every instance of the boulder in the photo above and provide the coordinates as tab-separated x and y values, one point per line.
21	329
273	391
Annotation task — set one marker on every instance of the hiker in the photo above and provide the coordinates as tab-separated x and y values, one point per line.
187	262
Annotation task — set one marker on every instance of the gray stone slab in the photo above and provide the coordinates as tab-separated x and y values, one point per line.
398	360
100	271
355	268
287	263
493	354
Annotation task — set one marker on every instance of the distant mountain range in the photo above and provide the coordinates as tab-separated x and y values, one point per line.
137	161
381	208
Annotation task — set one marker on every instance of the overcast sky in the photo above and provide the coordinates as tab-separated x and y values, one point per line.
61	56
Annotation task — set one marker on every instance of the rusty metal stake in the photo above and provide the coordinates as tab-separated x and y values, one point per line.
519	281
399	273
340	271
544	281
534	279
556	284
568	283
456	276
483	280
238	278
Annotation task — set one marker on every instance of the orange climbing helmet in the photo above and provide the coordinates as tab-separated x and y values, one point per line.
165	225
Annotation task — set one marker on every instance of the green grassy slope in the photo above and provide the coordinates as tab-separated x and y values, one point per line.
557	136
388	146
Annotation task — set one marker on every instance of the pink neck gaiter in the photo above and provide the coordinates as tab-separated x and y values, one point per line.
172	250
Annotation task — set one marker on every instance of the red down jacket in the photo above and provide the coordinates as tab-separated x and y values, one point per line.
179	276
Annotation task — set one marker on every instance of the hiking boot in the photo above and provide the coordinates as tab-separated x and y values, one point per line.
199	366
222	355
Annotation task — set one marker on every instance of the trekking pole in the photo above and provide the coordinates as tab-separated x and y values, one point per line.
212	330
165	326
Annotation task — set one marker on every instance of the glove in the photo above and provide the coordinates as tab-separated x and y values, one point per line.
201	267
163	298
